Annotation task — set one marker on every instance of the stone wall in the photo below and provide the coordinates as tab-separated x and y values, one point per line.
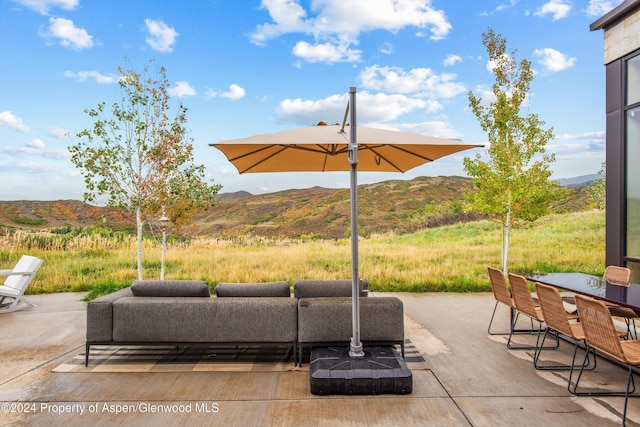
622	38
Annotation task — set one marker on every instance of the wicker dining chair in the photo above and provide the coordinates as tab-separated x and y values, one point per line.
601	335
502	295
620	276
526	305
617	275
558	320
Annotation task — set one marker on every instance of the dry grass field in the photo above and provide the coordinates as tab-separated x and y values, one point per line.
450	258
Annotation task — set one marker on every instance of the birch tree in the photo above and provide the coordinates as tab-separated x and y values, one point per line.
513	183
139	157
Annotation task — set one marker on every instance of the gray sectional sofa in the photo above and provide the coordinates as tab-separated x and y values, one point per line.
182	312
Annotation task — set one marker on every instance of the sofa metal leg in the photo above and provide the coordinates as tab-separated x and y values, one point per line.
87	347
300	348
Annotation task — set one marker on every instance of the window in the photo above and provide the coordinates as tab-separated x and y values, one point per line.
633	80
633	182
632	165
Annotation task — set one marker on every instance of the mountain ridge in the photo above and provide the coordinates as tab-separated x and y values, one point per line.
317	212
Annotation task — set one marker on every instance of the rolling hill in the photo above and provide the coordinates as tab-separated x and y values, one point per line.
395	205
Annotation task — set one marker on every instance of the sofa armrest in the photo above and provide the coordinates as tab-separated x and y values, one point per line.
100	316
330	320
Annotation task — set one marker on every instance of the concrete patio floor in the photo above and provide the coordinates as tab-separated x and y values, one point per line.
472	380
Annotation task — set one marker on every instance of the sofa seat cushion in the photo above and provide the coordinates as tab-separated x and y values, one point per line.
207	320
329	320
170	288
327	288
257	290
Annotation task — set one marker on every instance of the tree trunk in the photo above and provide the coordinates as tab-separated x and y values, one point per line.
164	251
139	240
506	235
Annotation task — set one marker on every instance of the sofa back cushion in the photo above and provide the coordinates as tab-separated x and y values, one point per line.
269	289
327	288
170	288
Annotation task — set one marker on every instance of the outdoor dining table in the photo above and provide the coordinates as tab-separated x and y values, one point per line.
592	286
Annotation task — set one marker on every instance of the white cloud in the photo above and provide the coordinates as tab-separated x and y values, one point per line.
82	76
500	8
599	135
67	34
451	60
485	93
356	16
492	64
558	8
554	60
419	81
181	89
288	17
438	129
326	52
235	92
504	6
43	6
371	108
37	147
386	48
161	37
36	144
595	141
337	24
29	167
486	96
59	133
9	121
601	7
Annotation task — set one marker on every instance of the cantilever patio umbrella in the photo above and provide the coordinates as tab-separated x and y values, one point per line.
324	148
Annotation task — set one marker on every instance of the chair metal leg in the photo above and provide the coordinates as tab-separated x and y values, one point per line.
511	317
495	307
540	367
630	381
625	393
631	335
586	362
527	347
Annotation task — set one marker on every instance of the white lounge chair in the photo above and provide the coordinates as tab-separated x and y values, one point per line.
15	284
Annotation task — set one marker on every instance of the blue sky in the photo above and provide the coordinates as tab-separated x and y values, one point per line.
244	67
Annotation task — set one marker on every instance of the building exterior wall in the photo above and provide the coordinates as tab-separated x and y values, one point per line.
621	45
622	38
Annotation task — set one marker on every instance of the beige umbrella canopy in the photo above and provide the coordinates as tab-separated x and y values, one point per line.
325	148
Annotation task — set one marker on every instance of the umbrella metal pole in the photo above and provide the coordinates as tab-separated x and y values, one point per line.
355	350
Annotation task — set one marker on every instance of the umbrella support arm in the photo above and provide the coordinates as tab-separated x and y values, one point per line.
355	350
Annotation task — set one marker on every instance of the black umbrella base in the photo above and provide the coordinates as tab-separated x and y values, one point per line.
381	371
